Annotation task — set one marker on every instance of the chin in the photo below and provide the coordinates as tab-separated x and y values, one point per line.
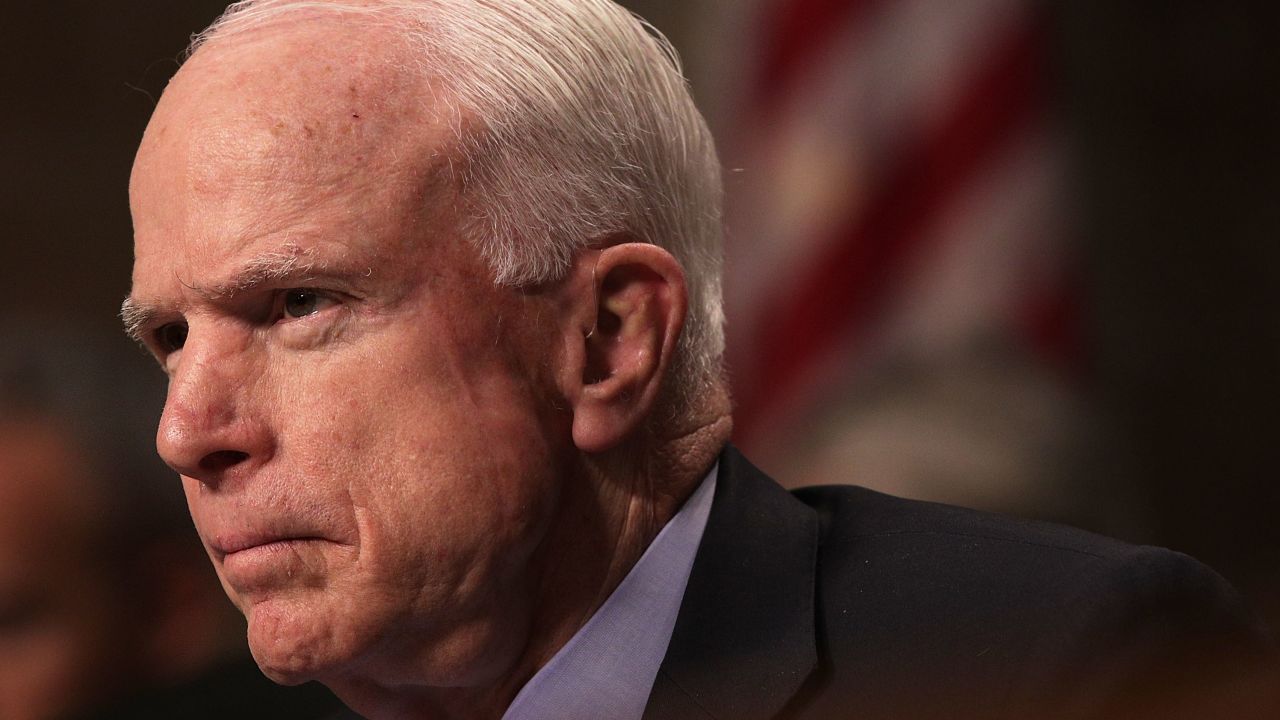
293	642
342	641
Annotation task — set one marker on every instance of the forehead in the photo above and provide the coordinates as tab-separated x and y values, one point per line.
311	97
285	135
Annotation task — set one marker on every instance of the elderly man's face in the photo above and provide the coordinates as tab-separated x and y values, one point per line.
366	427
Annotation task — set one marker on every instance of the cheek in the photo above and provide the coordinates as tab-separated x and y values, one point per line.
436	441
447	473
466	494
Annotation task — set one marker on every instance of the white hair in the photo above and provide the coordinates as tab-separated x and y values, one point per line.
581	130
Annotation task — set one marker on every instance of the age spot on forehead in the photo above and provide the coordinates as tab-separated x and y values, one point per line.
274	132
338	106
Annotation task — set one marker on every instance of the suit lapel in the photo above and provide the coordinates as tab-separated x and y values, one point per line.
744	641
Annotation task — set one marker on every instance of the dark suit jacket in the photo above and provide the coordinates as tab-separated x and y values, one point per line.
842	602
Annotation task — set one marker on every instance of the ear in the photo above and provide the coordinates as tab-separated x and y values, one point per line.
629	303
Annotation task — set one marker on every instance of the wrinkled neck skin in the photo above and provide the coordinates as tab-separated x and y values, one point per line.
613	506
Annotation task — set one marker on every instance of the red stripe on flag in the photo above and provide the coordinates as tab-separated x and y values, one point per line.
798	31
1050	323
855	275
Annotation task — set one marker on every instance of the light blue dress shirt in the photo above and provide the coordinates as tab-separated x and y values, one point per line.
606	670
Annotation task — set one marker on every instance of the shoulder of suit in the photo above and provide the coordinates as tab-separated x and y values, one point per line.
850	513
934	565
1002	612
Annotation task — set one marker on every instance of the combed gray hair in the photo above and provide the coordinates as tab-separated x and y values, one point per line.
582	130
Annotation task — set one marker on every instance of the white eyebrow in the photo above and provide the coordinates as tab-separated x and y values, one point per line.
290	261
135	316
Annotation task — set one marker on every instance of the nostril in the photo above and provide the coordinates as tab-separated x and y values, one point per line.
222	459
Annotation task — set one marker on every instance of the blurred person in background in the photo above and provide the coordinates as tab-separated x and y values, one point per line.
107	605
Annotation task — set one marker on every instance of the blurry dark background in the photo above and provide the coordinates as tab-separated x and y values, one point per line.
1123	377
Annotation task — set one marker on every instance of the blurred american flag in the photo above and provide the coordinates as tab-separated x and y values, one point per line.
900	283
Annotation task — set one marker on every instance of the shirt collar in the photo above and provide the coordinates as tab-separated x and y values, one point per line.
607	668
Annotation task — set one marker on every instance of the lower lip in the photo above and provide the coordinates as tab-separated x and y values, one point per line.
269	562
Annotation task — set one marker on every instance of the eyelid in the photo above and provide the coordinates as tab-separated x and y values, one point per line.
326	299
153	338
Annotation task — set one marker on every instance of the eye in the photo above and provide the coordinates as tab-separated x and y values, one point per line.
171	337
301	303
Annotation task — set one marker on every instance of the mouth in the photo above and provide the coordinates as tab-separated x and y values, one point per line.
256	564
225	546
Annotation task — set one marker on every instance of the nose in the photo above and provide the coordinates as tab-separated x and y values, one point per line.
209	429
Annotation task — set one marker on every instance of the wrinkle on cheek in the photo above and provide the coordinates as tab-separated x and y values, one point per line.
361	514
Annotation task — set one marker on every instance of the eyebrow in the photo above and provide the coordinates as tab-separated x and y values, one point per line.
290	261
135	316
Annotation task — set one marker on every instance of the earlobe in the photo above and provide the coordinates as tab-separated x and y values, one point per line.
638	306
